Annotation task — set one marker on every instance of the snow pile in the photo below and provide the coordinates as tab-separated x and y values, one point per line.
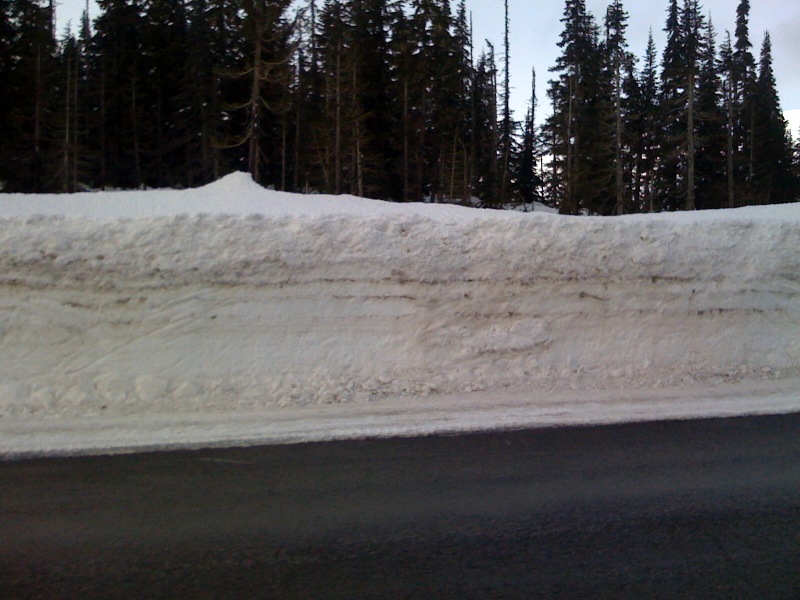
232	296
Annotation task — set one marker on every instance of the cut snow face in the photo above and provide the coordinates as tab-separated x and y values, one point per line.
232	296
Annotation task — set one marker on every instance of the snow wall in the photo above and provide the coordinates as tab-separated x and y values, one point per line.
158	301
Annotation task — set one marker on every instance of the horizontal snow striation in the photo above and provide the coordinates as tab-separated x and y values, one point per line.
218	312
260	250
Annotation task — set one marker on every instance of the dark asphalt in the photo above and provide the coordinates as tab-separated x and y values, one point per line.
698	509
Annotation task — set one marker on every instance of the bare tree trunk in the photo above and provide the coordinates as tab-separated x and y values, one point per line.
67	132
690	148
76	122
297	141
620	182
160	140
729	150
751	169
452	192
284	152
405	140
103	138
135	122
570	174
493	166
254	133
337	144
358	161
38	108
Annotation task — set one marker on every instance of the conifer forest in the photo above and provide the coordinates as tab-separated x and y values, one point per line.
393	100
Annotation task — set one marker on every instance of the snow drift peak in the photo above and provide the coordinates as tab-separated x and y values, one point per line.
234	183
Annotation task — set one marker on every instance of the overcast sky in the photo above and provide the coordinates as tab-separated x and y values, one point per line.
536	27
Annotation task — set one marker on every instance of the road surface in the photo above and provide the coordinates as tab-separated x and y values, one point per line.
695	509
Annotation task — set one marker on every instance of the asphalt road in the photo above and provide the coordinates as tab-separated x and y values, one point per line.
699	509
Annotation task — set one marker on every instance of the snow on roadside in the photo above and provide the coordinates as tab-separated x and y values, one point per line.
392	417
233	298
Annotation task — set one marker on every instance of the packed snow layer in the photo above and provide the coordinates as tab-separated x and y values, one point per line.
232	296
391	417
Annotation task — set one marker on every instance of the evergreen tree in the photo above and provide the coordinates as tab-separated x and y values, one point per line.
68	115
572	127
371	59
115	93
743	79
670	124
7	70
730	107
485	129
331	143
642	93
198	125
383	98
773	181
440	96
679	87
405	66
507	126
527	180
711	136
163	62
31	159
265	73
618	58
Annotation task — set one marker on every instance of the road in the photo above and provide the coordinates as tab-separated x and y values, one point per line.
695	509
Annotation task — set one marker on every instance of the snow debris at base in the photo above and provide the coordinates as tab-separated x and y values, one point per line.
231	297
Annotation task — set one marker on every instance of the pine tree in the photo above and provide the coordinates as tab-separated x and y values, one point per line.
727	71
670	123
373	116
527	180
711	133
164	57
331	143
198	123
486	134
408	115
32	157
618	57
647	140
743	79
441	97
507	126
773	181
265	74
115	94
68	114
7	70
679	81
572	126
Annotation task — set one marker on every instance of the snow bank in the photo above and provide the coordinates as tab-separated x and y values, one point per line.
232	296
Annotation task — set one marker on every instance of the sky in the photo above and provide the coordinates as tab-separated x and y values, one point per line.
536	27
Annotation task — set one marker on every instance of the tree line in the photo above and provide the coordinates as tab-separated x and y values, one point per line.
388	99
